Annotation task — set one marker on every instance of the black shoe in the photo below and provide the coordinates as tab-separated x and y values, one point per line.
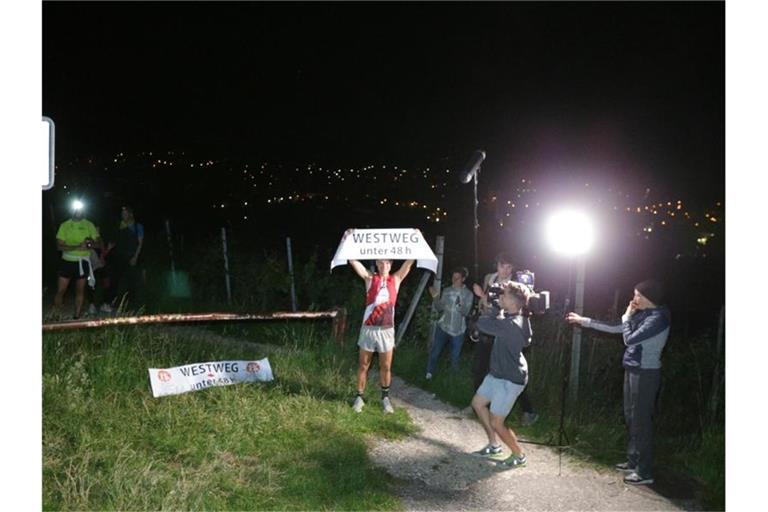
635	479
626	467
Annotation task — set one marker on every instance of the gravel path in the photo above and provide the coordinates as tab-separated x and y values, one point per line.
434	470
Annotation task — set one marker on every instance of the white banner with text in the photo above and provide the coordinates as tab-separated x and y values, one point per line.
197	376
385	244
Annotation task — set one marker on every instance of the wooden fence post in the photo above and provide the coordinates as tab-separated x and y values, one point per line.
439	248
717	374
339	327
170	249
412	307
226	264
290	273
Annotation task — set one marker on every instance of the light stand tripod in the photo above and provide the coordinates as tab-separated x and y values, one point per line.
562	435
477	224
563	395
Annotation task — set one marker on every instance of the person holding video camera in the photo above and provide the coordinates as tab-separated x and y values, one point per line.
75	239
454	305
508	372
489	295
645	329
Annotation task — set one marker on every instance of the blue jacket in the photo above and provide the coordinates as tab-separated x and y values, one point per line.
645	334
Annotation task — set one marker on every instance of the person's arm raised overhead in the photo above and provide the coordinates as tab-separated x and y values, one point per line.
360	270
404	269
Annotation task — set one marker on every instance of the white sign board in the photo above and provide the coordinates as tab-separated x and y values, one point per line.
197	376
385	244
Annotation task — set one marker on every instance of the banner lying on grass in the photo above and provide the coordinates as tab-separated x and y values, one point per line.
385	244
197	376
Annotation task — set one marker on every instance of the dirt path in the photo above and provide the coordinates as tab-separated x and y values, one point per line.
435	471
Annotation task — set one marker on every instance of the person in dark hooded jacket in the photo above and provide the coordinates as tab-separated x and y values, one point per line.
645	329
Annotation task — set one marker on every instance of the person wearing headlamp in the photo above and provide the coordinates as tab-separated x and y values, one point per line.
75	239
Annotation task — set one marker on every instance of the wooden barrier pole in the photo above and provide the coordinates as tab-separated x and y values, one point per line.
189	317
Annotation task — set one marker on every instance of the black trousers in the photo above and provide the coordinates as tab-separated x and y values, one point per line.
640	390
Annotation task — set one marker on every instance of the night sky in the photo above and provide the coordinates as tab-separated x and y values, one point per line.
629	93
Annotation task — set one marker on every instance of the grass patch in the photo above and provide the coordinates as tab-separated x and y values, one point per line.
291	444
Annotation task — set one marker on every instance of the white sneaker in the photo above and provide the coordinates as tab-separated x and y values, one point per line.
358	405
634	478
91	309
387	405
106	308
489	451
429	376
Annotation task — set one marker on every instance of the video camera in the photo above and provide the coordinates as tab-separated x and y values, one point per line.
538	302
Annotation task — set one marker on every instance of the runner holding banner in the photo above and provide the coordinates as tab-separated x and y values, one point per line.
377	333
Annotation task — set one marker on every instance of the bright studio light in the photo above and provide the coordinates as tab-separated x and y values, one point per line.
77	205
570	232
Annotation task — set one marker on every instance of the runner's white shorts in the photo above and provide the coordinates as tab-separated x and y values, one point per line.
501	392
376	339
